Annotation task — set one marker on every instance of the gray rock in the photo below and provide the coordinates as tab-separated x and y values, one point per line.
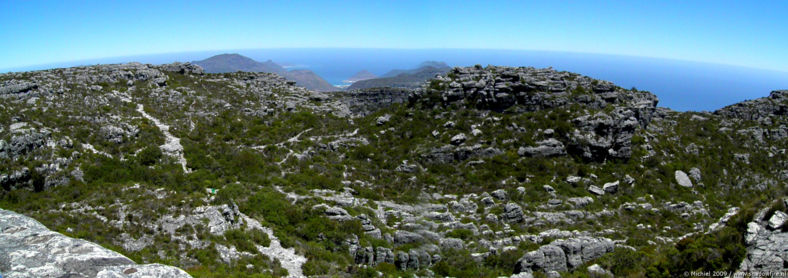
682	179
694	173
458	139
382	120
451	243
512	213
405	237
546	148
549	189
499	194
598	270
596	190
488	201
564	254
401	261
611	187
35	251
777	220
581	202
413	259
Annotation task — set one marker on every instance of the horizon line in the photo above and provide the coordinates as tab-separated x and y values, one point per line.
87	62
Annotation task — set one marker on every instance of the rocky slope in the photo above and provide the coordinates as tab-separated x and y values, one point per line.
479	172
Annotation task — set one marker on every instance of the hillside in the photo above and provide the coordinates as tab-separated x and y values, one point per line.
361	75
410	79
225	63
478	172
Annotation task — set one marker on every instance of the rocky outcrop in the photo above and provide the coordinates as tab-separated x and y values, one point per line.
564	254
767	243
598	136
366	101
762	110
28	249
546	148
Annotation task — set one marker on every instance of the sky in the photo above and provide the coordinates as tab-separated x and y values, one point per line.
744	33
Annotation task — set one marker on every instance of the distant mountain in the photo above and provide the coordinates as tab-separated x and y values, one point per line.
426	64
235	62
310	80
361	75
412	78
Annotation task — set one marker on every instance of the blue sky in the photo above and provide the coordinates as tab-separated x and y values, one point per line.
745	33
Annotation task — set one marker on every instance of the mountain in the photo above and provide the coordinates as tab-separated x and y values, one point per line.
422	65
361	75
234	62
404	78
479	172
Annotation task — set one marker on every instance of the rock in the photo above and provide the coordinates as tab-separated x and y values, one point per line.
596	190
521	190
35	251
183	68
382	120
401	261
564	254
546	148
549	189
488	201
682	179
405	237
15	87
598	270
694	173
629	180
777	220
611	187
458	139
451	243
499	194
573	179
512	213
413	259
752	233
581	202
546	258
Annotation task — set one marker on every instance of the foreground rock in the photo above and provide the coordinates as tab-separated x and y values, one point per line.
29	249
767	244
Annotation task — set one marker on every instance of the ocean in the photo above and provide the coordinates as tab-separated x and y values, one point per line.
680	85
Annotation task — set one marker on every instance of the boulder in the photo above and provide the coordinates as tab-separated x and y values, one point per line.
682	179
382	120
499	194
451	243
777	220
611	187
405	237
694	173
596	190
458	139
546	148
512	213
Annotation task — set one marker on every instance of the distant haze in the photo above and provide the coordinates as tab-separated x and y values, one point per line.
680	85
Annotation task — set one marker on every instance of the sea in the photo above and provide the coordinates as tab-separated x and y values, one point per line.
680	85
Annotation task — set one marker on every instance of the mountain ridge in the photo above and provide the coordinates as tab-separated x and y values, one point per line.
224	63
